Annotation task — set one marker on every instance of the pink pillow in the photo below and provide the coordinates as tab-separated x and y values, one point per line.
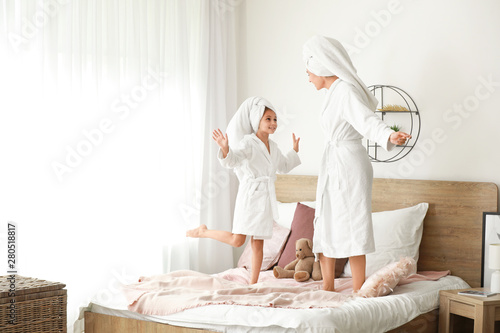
272	249
302	227
384	281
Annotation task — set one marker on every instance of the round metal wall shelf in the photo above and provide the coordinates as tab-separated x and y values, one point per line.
408	120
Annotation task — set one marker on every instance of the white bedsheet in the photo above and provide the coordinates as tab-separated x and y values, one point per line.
360	315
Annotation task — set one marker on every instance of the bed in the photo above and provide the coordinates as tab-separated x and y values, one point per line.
451	240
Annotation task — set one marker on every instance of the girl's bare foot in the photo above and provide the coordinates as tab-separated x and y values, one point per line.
197	232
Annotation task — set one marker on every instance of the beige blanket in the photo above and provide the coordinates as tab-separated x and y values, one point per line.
181	290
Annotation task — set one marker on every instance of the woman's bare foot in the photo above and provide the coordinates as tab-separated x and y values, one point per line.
197	232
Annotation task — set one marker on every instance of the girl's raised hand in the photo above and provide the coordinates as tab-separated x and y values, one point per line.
222	141
295	143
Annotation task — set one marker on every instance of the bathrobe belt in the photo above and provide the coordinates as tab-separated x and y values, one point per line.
342	143
327	159
337	144
271	190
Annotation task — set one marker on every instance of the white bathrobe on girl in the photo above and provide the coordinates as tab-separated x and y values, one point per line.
343	222
256	206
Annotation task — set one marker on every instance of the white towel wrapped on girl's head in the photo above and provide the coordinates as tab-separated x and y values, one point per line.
247	118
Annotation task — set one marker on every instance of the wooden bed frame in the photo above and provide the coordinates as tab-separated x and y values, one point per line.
452	237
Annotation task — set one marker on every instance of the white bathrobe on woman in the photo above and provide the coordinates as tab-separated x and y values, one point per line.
343	223
256	206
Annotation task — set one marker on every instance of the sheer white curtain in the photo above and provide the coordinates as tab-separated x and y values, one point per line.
211	78
106	116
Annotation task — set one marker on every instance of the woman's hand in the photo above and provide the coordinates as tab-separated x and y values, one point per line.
399	138
295	143
222	141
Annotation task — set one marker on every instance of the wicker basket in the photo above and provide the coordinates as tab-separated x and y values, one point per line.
40	306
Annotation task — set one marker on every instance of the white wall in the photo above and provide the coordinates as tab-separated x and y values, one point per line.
439	52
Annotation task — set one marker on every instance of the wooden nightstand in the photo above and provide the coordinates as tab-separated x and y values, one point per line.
483	310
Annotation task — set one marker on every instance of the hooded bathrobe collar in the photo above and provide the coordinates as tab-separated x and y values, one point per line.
263	147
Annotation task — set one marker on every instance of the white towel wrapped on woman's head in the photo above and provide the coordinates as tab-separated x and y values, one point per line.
325	56
247	118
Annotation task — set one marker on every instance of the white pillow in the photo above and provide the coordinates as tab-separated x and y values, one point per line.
397	234
286	211
311	204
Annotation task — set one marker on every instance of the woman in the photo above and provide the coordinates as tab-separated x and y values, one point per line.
343	225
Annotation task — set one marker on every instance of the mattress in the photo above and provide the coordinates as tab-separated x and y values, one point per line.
356	315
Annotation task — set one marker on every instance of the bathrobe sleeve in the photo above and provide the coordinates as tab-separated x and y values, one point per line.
287	162
365	121
235	157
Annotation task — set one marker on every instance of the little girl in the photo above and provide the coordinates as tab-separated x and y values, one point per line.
255	162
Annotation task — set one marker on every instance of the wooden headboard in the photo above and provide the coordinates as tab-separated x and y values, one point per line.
452	237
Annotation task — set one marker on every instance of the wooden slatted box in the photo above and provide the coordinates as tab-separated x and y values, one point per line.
40	306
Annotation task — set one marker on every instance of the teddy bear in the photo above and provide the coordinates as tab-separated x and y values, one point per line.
302	268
